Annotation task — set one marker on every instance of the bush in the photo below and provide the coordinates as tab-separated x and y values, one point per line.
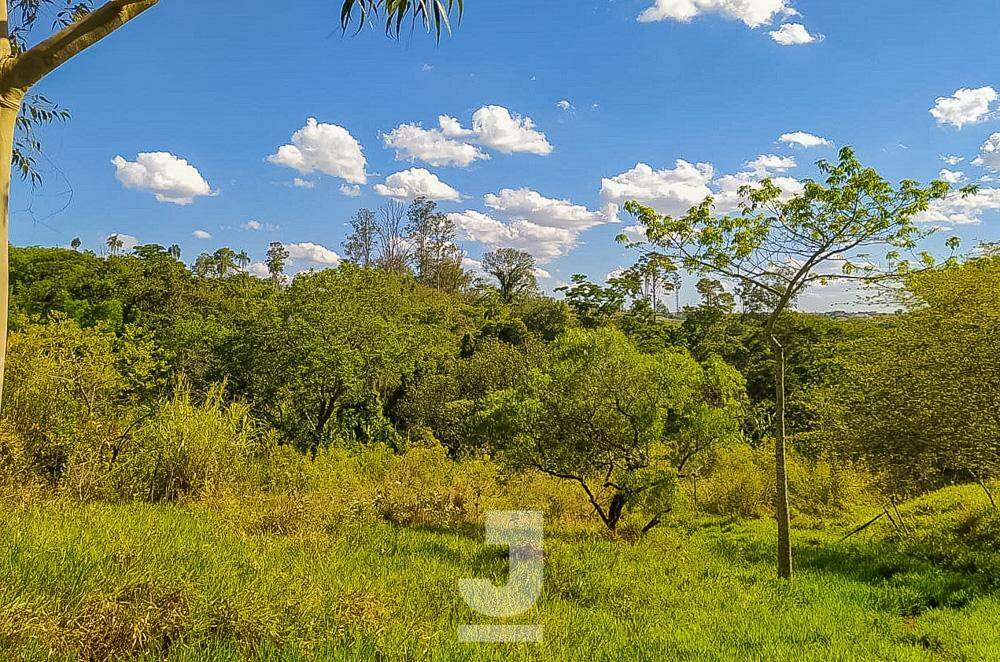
738	485
182	450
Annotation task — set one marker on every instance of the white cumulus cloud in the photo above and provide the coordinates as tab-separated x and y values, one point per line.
497	128
433	146
754	13
298	182
350	190
451	144
966	106
526	204
313	254
953	160
325	148
201	234
767	163
168	177
794	34
951	176
544	243
414	183
803	139
957	209
989	154
669	191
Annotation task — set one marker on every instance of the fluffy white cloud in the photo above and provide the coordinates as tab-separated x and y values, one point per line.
260	270
416	182
957	209
794	34
433	146
350	190
325	148
298	182
803	139
497	128
253	225
754	13
951	176
525	204
953	160
544	243
313	254
564	105
168	177
474	266
669	191
767	163
201	234
989	154
966	106
542	273
451	144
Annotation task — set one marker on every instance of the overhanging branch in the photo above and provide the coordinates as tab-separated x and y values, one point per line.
50	54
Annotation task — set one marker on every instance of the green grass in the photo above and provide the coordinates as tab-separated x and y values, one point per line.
122	581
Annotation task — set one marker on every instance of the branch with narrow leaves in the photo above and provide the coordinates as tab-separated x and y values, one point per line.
434	15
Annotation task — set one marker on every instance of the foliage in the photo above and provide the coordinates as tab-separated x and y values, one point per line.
602	414
916	395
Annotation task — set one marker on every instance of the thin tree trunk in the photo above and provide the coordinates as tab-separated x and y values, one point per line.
781	477
10	106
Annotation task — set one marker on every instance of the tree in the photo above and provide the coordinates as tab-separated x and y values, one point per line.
277	255
654	274
391	250
242	260
360	243
437	258
75	244
114	243
782	243
620	423
174	251
916	395
514	271
80	27
224	261
714	295
595	305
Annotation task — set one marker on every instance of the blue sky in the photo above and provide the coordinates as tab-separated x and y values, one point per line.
225	85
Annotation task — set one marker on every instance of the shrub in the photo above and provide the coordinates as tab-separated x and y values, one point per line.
738	485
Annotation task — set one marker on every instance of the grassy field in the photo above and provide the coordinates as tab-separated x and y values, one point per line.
199	583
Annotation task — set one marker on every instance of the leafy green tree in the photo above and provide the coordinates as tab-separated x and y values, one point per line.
277	255
595	305
360	243
436	257
75	244
602	414
320	361
783	244
514	271
917	394
114	244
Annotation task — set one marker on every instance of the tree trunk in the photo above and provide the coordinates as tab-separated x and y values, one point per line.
781	476
10	106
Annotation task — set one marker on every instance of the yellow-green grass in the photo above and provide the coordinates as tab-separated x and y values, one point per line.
102	581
